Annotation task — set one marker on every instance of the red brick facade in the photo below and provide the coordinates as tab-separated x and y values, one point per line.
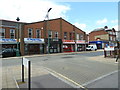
58	25
102	32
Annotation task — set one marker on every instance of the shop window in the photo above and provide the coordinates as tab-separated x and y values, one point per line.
12	33
2	33
65	35
38	33
29	33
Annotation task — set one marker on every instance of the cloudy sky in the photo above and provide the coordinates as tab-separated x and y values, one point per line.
85	15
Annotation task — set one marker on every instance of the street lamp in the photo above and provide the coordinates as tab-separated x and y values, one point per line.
47	16
17	51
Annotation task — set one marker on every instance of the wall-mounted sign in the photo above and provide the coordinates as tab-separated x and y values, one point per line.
33	40
2	40
80	41
69	41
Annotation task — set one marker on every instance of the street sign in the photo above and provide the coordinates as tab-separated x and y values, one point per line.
26	63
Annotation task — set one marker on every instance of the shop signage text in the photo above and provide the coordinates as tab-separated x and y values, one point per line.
33	40
8	40
80	41
68	41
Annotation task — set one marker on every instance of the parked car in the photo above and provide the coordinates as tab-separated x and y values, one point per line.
9	52
91	48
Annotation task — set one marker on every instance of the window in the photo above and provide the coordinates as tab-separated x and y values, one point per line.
2	33
114	39
110	32
65	35
77	37
12	33
37	33
114	33
70	36
111	38
81	37
29	33
50	34
56	35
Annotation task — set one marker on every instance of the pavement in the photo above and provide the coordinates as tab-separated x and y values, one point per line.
11	76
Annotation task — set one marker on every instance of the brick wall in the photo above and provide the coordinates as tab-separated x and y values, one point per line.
53	25
96	33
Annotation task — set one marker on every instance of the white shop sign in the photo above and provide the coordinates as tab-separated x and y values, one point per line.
109	48
8	40
33	40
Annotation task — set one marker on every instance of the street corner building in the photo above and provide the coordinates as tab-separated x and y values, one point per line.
103	37
48	36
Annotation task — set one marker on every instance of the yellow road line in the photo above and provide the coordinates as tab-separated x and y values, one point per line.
66	78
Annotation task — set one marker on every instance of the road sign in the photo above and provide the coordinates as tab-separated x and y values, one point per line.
25	62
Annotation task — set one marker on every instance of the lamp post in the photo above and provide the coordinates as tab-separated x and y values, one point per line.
48	28
17	51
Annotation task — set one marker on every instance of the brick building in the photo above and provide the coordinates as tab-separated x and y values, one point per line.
9	35
33	37
102	37
63	36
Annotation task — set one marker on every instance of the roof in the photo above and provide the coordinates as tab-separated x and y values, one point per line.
99	29
56	19
11	21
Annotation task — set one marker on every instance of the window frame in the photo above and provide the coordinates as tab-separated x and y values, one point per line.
65	35
29	32
56	35
13	33
1	33
38	35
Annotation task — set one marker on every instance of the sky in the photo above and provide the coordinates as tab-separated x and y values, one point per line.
87	15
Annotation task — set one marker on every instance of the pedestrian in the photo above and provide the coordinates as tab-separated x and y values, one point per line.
118	57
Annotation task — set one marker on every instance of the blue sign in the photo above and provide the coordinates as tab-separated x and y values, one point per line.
33	39
7	40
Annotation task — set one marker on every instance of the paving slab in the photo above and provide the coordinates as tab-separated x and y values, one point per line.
45	81
110	81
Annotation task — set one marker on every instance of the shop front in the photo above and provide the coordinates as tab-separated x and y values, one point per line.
99	44
68	45
8	43
81	45
54	45
34	46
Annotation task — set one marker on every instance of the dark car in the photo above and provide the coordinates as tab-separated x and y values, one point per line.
9	52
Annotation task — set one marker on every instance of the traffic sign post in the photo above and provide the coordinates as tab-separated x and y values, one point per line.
26	63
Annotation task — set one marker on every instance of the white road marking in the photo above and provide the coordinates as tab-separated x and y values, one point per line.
69	81
99	78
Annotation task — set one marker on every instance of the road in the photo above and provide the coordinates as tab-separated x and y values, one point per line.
80	68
